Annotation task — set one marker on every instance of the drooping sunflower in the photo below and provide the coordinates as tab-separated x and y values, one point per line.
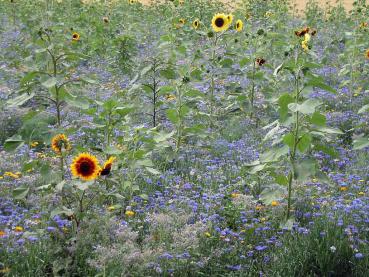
220	22
367	53
239	25
302	32
196	24
76	36
260	61
107	166
86	167
60	142
230	18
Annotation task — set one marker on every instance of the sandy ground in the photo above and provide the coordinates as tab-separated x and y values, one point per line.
300	4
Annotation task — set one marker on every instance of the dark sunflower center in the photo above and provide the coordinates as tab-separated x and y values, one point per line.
219	22
86	168
238	25
75	36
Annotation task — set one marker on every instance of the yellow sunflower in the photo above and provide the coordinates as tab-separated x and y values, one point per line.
60	142
230	18
367	53
196	24
107	166
86	167
220	22
239	25
75	36
182	21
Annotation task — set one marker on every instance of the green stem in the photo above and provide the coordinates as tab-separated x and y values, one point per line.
292	174
252	89
212	82
62	166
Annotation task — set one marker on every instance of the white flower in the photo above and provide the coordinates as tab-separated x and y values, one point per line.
333	249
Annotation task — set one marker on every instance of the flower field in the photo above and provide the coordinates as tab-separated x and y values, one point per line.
184	138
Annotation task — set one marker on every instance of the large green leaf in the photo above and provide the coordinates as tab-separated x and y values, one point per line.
172	115
20	192
283	101
272	193
13	143
307	107
361	143
20	100
49	83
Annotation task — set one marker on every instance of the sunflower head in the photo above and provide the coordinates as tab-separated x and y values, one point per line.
131	1
182	21
239	25
107	166
220	22
260	61
86	167
196	24
75	36
60	142
105	19
363	25
367	53
302	32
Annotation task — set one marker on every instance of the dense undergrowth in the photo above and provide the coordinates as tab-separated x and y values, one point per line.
184	138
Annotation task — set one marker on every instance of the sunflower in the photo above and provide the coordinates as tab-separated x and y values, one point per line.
363	25
107	166
302	32
131	1
220	22
170	97
260	61
182	21
239	25
196	24
75	36
230	18
105	19
367	53
60	142
85	166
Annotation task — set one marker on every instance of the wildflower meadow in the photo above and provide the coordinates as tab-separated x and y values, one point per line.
184	138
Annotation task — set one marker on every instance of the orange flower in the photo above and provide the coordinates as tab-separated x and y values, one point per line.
107	166
86	167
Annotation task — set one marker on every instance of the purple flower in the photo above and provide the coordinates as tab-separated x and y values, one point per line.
261	247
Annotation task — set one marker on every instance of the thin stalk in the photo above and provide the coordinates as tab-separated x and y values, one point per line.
292	174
